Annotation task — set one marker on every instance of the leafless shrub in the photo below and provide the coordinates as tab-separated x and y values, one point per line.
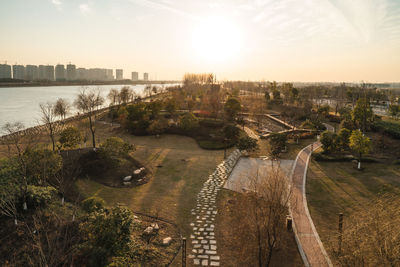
263	208
371	236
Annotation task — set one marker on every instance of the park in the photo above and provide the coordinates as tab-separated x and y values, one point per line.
182	176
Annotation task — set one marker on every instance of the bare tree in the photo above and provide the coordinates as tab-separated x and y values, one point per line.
52	240
114	97
87	101
263	208
18	141
148	91
61	108
8	205
125	94
48	117
65	179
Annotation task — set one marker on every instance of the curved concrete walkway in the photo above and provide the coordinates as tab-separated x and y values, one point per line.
310	246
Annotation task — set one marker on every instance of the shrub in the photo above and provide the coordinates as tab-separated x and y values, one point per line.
70	137
107	233
348	124
157	127
389	128
93	204
332	158
343	138
214	144
247	143
307	124
314	124
205	122
328	141
231	132
116	147
39	196
323	110
277	142
41	165
306	135
232	108
188	122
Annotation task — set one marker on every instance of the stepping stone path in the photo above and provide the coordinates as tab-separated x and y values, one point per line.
203	242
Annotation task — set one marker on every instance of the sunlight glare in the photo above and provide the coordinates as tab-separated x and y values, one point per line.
216	40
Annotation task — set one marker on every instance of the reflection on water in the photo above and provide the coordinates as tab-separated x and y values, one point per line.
22	103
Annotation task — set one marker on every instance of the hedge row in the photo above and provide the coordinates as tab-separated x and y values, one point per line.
388	128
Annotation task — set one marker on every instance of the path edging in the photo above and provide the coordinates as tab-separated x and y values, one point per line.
315	145
301	250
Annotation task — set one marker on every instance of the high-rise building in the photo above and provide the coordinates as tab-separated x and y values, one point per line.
18	72
49	72
31	72
135	76
5	71
41	72
71	72
60	72
81	74
109	75
145	76
119	74
98	74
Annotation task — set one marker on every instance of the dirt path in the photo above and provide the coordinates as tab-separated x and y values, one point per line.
310	246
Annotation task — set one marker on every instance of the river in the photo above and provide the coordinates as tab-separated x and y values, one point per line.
21	104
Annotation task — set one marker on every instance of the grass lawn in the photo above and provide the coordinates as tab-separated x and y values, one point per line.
334	187
179	167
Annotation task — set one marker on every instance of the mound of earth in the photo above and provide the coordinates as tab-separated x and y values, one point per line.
122	171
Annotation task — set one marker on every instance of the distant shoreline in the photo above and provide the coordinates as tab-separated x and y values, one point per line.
41	127
79	83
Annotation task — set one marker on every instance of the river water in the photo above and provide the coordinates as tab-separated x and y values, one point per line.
21	104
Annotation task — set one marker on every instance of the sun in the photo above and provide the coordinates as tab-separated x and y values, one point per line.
216	40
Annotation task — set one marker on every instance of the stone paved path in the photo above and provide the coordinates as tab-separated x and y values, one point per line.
251	133
310	246
203	242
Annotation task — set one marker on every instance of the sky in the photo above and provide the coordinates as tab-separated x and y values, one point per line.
282	40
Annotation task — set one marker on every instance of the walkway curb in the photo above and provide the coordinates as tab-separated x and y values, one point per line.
307	258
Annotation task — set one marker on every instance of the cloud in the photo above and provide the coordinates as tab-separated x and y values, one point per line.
371	20
333	21
164	5
85	8
57	3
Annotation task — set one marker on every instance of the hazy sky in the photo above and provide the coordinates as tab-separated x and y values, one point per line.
284	40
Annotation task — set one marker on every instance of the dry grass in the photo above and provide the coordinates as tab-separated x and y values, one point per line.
235	243
179	168
334	187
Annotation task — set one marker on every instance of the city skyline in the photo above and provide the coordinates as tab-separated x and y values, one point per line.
60	72
284	40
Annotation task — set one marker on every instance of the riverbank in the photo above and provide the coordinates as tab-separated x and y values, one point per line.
38	129
21	83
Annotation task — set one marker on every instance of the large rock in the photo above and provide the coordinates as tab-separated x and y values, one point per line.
139	173
127	183
127	178
148	231
155	226
166	241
